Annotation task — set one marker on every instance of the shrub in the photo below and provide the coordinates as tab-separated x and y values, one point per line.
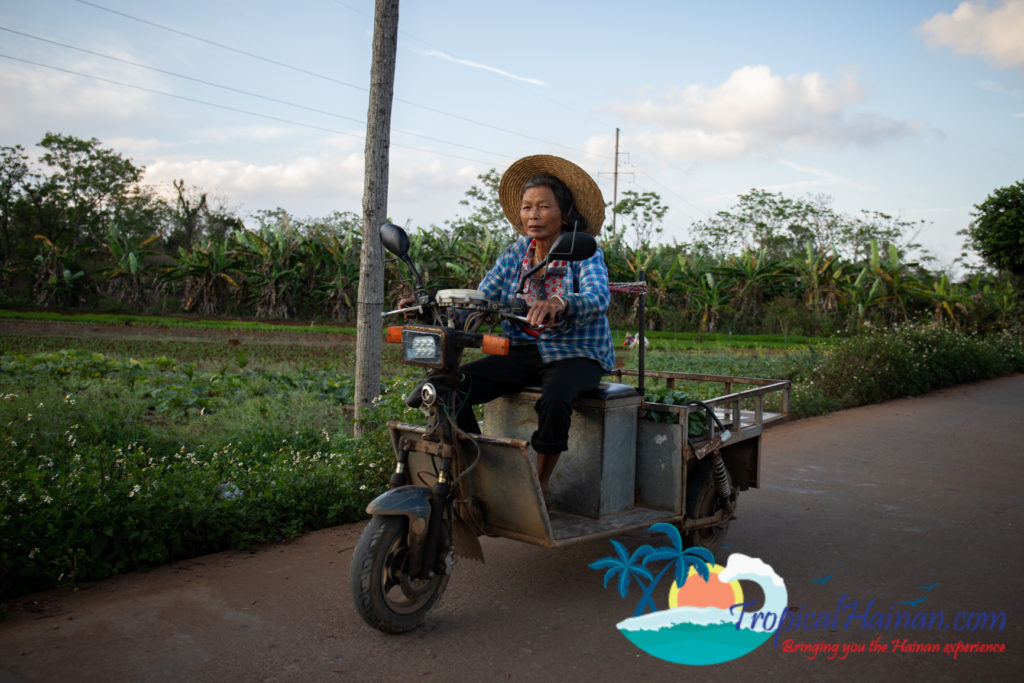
879	365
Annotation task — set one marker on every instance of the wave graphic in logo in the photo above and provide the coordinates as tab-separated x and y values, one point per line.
708	620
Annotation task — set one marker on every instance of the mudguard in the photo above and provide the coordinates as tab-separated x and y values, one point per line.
410	501
414	503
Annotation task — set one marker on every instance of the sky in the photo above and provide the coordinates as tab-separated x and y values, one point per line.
914	108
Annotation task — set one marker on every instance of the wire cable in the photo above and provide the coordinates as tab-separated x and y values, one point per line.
226	107
314	74
245	92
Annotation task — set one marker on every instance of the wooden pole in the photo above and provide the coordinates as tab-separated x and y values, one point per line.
375	203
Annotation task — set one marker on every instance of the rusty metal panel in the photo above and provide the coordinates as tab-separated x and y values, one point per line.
504	481
596	476
659	462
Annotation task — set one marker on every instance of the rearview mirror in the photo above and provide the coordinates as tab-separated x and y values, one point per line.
394	240
573	246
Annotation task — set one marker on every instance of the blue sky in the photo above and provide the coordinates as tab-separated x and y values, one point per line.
914	108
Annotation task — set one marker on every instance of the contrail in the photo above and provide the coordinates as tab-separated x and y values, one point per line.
475	65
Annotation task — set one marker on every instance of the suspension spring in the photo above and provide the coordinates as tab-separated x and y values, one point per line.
721	476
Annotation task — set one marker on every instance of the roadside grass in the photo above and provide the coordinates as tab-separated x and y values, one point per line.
175	321
280	355
110	465
115	457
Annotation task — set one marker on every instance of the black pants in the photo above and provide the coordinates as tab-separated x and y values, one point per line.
561	382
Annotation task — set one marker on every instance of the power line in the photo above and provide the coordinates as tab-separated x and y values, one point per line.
228	107
533	92
669	190
337	81
243	92
314	74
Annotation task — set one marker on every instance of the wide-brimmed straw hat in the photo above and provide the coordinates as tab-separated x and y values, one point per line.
586	195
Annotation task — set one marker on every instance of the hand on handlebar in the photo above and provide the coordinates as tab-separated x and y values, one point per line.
545	312
405	303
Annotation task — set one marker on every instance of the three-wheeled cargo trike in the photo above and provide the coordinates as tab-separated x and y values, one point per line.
630	464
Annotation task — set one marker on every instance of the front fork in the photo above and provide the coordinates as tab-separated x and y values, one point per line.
439	493
424	548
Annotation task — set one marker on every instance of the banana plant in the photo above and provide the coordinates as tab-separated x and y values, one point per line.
751	279
210	271
1001	298
822	276
712	299
900	284
474	258
58	281
332	275
127	275
948	301
865	293
272	263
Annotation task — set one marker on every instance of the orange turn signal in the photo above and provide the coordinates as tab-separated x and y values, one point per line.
395	335
495	345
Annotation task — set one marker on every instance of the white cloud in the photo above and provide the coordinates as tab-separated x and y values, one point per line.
40	90
755	111
975	28
993	86
304	174
420	188
819	177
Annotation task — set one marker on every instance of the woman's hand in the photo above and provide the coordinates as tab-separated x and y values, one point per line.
543	312
405	303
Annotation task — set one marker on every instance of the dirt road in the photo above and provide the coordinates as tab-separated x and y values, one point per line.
913	501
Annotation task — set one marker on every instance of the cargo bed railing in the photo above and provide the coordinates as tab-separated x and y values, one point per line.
743	423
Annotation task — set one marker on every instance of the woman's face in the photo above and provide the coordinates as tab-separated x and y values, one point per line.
539	212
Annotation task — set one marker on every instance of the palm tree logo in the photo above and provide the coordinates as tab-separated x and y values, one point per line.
628	566
700	626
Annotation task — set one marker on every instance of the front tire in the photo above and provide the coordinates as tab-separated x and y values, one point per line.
702	500
386	597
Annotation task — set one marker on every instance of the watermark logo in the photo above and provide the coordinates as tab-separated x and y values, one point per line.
707	621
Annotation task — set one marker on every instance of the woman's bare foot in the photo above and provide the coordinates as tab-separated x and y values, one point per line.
545	466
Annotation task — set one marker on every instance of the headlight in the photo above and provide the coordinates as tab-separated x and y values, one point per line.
423	347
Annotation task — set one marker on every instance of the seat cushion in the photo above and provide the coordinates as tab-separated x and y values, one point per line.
605	391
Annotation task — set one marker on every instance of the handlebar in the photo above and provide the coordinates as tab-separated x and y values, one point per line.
503	311
522	319
407	309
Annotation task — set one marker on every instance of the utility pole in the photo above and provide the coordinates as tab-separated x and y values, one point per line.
375	207
615	181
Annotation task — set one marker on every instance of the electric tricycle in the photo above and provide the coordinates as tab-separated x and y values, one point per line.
631	463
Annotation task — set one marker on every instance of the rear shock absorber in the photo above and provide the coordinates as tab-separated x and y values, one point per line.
718	471
721	476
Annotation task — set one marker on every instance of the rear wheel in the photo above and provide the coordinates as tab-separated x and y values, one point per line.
702	500
385	595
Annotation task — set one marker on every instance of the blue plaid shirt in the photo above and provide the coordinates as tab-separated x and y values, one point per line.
586	332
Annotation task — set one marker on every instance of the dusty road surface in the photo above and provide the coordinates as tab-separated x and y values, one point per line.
914	505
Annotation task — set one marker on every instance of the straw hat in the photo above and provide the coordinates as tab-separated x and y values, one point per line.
586	194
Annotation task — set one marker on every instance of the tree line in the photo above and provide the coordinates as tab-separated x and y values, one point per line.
79	229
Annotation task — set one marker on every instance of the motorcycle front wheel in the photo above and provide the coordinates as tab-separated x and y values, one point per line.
385	595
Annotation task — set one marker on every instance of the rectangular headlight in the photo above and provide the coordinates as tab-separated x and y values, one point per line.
423	347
